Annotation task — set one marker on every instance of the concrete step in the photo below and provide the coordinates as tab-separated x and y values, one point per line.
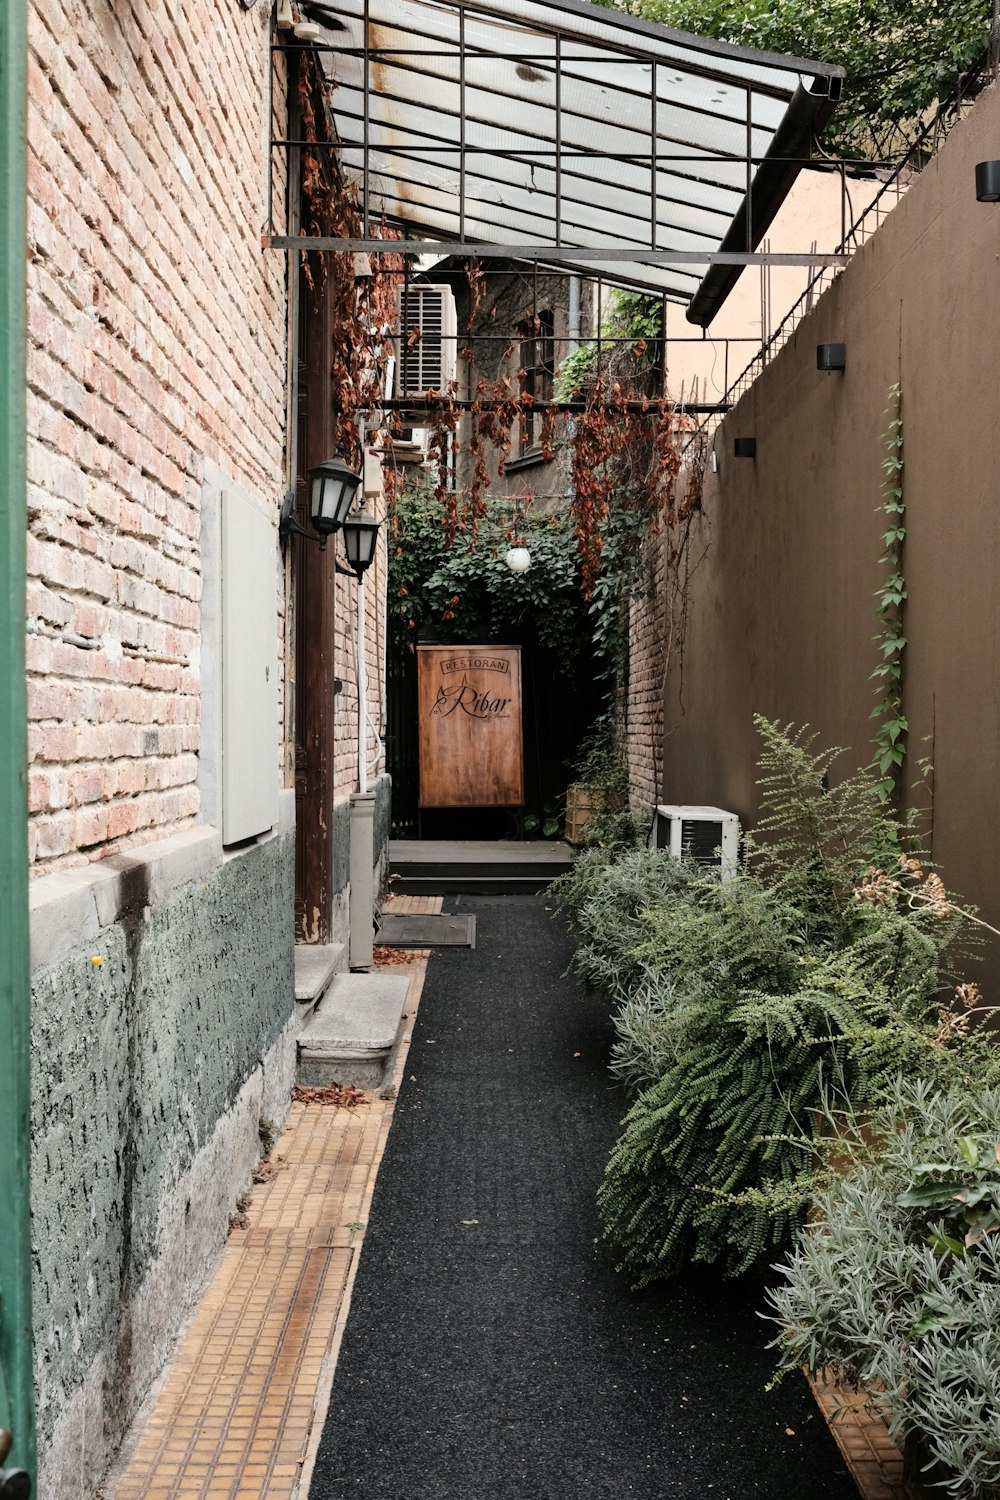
445	883
439	866
348	1038
315	966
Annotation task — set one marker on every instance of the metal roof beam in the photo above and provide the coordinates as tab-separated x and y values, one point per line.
559	253
807	113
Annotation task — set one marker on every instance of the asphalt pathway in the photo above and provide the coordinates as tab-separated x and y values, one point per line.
492	1352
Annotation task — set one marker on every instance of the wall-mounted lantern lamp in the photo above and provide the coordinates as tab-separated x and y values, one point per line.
831	356
988	181
360	536
745	448
331	489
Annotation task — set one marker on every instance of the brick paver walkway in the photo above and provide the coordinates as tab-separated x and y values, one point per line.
236	1416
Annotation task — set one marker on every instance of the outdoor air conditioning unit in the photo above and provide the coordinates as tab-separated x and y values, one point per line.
705	835
428	359
428	339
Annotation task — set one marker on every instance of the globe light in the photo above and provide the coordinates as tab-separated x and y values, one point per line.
518	559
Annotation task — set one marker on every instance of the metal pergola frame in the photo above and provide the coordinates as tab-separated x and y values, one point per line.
674	212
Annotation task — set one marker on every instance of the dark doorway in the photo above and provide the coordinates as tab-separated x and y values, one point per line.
559	710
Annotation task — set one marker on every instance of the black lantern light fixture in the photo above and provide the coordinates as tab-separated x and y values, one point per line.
988	181
360	536
745	447
332	487
831	356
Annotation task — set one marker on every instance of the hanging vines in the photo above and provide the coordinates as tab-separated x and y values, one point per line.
892	729
363	308
622	448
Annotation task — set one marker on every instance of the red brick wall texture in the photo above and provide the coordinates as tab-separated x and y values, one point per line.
156	341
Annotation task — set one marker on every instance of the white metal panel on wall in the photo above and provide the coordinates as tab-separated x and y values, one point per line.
249	671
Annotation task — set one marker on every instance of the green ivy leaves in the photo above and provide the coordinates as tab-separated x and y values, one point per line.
900	56
464	587
890	736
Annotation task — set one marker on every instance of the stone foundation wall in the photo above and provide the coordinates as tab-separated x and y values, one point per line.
163	1033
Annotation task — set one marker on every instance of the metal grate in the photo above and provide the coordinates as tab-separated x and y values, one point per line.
421	930
427	341
701	841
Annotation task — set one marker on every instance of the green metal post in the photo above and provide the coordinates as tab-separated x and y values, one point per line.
17	1403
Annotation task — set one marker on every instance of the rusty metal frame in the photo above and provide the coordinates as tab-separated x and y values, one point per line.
566	211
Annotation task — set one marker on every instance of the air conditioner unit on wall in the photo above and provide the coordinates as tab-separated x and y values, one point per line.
703	835
428	339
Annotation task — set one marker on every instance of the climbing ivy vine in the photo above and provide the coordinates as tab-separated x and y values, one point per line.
460	587
891	733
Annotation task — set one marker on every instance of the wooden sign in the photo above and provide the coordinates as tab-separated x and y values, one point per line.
469	709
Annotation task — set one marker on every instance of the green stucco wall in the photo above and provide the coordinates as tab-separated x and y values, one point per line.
143	1063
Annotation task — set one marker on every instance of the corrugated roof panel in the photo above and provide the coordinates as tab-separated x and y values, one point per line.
555	124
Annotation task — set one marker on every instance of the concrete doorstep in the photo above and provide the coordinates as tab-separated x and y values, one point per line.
315	966
350	1035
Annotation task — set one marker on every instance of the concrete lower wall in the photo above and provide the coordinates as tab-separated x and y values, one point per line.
381	787
163	1034
382	828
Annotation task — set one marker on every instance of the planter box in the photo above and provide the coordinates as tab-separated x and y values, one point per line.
923	1477
584	804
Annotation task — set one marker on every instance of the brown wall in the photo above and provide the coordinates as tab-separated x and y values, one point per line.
782	606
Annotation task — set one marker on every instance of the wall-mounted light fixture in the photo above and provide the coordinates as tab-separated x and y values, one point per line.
518	559
831	356
745	447
988	181
360	536
331	489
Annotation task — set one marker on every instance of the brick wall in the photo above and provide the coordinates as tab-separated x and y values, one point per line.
644	701
345	646
657	625
156	340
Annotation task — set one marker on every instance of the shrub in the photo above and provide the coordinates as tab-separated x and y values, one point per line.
715	1162
746	1007
653	1030
608	896
897	1282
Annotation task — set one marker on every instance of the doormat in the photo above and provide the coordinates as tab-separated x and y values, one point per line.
430	930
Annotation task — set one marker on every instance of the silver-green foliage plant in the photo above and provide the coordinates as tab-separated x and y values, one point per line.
653	1031
608	897
759	999
897	1281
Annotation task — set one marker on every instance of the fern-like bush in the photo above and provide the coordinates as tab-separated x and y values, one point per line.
608	896
745	1008
715	1161
897	1282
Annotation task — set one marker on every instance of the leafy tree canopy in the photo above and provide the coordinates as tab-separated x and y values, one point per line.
900	56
